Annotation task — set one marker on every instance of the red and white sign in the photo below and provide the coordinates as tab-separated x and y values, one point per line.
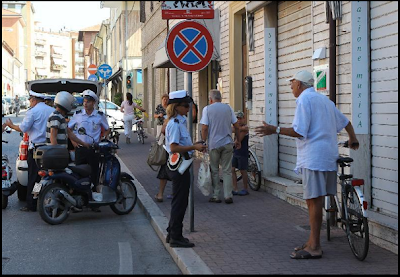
187	9
189	46
92	69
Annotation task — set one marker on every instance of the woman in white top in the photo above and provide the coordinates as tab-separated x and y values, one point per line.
127	107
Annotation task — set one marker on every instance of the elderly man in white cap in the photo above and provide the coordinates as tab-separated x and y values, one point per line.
34	124
93	121
315	126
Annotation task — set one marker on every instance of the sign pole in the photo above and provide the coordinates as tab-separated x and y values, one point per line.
105	97
190	123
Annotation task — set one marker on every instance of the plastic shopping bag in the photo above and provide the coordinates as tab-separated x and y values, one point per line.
204	181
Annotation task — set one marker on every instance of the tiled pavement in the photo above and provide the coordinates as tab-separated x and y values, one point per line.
255	234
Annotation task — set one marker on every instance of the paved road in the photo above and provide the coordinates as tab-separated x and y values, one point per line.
87	243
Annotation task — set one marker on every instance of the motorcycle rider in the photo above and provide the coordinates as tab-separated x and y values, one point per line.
34	123
92	120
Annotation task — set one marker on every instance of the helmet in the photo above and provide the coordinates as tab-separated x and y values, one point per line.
65	100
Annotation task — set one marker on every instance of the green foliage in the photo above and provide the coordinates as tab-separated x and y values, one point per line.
138	113
118	98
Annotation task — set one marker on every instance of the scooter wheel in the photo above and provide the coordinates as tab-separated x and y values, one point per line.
127	197
51	208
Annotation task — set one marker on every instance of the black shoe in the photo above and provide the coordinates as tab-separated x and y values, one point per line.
181	243
229	200
95	209
168	238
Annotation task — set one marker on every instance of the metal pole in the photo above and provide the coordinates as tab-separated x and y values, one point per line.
190	123
126	44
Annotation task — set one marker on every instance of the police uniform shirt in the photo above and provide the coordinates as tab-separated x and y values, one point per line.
176	132
35	123
92	124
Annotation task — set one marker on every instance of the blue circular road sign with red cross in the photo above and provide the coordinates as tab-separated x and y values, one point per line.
189	46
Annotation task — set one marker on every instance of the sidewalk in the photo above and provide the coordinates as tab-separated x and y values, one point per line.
254	235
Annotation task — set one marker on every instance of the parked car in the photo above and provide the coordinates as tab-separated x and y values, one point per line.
10	102
5	107
49	87
113	110
24	102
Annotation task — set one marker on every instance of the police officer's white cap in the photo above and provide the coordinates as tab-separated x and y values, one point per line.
37	95
179	96
303	76
90	93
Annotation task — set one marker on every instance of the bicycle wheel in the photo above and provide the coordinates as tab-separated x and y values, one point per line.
330	216
356	225
254	172
141	134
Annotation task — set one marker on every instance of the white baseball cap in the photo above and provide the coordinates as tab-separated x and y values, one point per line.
37	95
303	76
89	93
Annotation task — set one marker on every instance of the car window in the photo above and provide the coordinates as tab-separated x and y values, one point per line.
109	105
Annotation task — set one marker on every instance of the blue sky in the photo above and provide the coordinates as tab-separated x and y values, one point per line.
71	14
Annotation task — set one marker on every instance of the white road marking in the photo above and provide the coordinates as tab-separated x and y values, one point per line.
125	258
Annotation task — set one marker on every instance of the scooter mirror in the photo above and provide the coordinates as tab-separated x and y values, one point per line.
82	131
8	130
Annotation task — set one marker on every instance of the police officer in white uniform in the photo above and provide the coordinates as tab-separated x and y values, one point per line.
93	121
34	124
178	140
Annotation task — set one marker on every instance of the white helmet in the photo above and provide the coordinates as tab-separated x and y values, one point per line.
65	100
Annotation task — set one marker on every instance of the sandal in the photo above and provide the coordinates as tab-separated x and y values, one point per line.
298	248
214	200
303	254
243	192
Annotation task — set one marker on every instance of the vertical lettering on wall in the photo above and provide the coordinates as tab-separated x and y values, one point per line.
359	67
271	90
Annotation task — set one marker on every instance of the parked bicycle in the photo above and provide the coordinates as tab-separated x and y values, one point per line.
114	134
352	210
253	171
141	135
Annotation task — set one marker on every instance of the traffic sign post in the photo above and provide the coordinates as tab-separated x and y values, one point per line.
92	69
189	46
105	72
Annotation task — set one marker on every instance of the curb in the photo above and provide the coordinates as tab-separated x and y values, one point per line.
186	258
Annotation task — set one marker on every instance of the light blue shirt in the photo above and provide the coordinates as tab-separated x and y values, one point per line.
176	132
318	120
219	118
92	124
35	123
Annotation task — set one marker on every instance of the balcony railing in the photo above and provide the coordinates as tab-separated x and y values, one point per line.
57	67
40	41
56	55
39	53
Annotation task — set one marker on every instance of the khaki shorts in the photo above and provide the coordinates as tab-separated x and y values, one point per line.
318	183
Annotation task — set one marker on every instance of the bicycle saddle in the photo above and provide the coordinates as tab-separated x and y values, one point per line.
344	160
82	170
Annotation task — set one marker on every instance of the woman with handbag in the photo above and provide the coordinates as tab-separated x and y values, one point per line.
180	148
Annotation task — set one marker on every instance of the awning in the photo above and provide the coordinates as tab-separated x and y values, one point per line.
213	25
115	76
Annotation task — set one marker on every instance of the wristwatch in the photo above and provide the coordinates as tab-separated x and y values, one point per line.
278	130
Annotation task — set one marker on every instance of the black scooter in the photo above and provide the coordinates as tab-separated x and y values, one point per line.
65	187
8	187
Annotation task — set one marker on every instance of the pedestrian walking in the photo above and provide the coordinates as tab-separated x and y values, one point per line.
217	120
240	158
34	124
315	126
178	140
127	107
161	113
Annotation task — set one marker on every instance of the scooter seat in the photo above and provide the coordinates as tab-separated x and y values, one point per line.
83	170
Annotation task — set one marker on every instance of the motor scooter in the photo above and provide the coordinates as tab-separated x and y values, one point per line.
64	188
8	187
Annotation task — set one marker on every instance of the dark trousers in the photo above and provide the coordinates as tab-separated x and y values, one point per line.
179	203
33	177
84	155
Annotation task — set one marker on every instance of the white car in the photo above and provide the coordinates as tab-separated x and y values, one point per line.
5	107
114	111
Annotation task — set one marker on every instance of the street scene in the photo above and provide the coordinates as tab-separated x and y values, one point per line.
200	137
